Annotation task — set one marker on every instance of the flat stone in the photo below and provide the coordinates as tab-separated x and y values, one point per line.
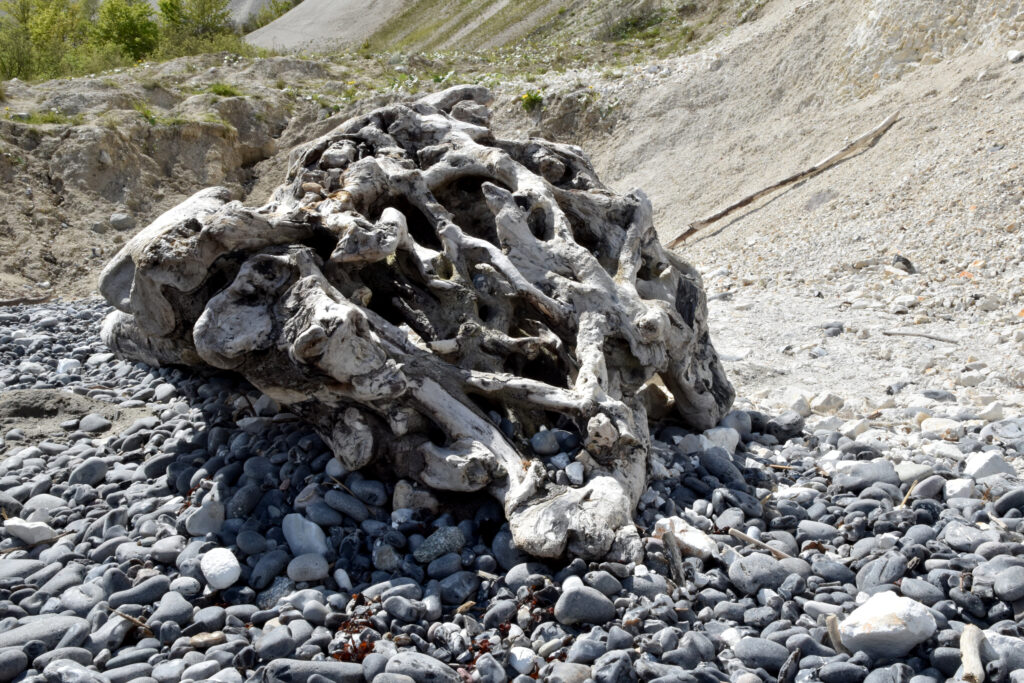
449	539
761	653
300	671
308	567
1009	584
49	629
756	571
94	423
303	536
90	472
421	668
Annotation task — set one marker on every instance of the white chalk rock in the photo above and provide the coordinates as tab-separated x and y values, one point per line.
986	463
692	541
943	427
522	659
29	532
220	567
887	625
959	488
827	403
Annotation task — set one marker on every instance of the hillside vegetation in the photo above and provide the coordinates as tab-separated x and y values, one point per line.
55	38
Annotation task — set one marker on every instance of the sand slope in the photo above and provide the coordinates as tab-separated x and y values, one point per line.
319	24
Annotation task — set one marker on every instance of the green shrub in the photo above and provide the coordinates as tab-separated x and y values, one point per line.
224	90
532	100
268	13
194	18
129	24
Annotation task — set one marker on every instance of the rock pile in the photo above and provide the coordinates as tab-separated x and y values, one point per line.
217	539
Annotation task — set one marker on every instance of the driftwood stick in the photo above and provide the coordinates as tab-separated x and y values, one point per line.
21	300
750	540
924	335
970	653
36	544
832	623
675	558
863	141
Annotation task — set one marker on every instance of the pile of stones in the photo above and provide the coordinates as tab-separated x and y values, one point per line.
216	538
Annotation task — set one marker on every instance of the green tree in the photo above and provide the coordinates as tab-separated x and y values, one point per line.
129	24
195	18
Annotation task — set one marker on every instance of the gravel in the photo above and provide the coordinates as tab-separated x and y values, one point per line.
247	561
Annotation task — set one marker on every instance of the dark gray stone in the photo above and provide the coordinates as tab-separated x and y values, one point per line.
756	571
583	605
760	653
421	668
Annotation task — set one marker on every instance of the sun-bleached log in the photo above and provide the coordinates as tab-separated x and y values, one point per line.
415	287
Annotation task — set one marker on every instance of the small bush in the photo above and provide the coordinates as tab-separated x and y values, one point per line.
224	90
194	18
532	100
43	117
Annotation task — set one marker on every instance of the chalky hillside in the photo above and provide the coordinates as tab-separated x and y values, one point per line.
357	352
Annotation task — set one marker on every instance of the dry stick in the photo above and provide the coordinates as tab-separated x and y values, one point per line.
750	540
901	333
675	558
970	653
26	300
832	623
903	503
865	140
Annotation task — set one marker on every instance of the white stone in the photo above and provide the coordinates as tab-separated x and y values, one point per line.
970	379
341	578
220	567
986	463
853	428
912	471
959	488
574	471
66	366
827	403
723	437
692	541
1014	56
522	659
941	449
303	536
990	413
29	532
943	427
887	625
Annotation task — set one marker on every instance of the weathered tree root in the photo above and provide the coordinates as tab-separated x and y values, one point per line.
416	288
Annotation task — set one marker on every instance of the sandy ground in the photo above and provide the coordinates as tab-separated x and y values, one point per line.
318	24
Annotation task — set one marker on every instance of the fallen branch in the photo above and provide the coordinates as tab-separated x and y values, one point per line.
863	141
924	335
22	300
970	653
675	557
832	623
750	540
903	503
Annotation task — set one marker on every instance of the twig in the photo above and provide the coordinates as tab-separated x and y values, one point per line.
675	558
37	543
865	140
925	335
970	653
137	622
750	540
18	301
832	623
903	503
